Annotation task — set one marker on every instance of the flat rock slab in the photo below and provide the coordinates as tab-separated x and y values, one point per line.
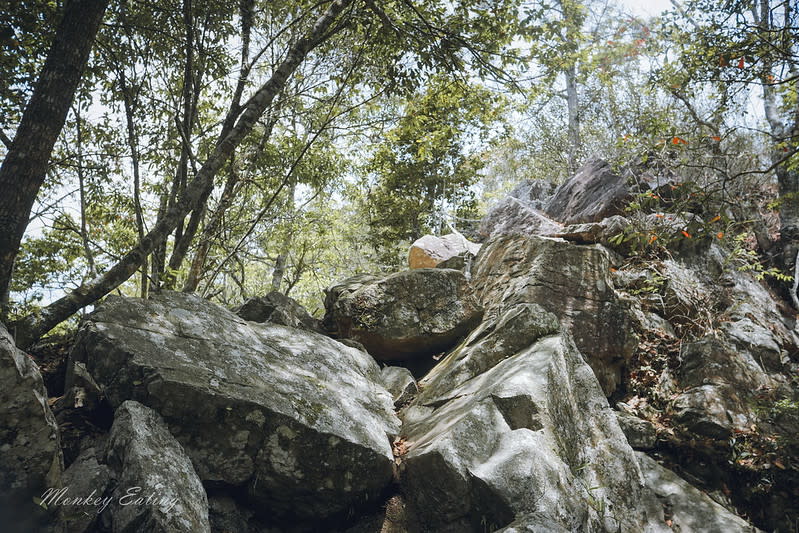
300	420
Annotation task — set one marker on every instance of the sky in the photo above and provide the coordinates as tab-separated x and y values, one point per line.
647	8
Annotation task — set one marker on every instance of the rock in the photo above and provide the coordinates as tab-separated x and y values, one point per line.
158	489
400	383
532	435
533	193
258	407
407	315
684	506
429	251
592	194
641	434
512	216
30	449
572	282
594	232
87	479
278	308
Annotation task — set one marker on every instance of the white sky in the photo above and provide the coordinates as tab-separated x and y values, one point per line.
646	8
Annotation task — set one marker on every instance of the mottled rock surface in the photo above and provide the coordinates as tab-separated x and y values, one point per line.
429	251
157	490
278	308
594	193
406	315
30	451
299	422
572	282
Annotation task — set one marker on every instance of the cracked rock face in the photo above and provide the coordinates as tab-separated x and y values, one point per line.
494	439
406	315
300	421
30	448
150	464
572	282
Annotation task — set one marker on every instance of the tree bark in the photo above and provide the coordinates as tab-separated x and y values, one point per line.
32	327
25	166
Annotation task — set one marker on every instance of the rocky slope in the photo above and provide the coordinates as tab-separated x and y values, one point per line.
564	384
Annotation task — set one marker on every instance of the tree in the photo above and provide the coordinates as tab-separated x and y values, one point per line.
736	47
424	167
25	165
32	327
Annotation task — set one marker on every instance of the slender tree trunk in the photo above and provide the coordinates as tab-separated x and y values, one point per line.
84	232
33	327
25	166
133	144
785	134
282	256
573	105
184	240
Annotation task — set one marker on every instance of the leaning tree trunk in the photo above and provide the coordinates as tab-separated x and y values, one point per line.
25	166
32	327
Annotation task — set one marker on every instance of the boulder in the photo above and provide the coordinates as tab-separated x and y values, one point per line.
683	507
30	449
512	216
429	251
278	308
406	315
158	489
530	434
533	192
593	193
91	482
400	383
297	421
572	282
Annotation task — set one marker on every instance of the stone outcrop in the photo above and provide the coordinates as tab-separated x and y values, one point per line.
404	316
299	422
684	507
513	216
510	427
429	251
594	193
30	452
572	282
278	308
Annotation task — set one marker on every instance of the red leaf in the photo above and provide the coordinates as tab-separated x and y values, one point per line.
741	63
687	235
716	138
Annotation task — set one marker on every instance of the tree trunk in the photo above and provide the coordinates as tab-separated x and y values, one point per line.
573	103
184	240
33	327
25	165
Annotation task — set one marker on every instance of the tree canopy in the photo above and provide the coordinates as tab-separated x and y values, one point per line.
230	148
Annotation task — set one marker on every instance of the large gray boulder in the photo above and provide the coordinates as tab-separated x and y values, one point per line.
88	487
158	490
30	450
406	315
593	193
513	216
572	282
429	251
278	308
530	433
298	421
